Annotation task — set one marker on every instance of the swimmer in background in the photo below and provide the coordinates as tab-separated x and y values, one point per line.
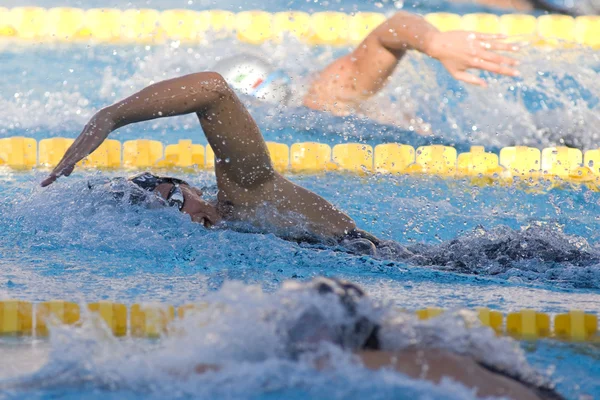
577	7
343	87
520	5
353	323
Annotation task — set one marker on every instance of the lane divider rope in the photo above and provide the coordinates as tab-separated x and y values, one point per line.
148	26
23	318
525	166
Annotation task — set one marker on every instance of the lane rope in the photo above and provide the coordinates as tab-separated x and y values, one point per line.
148	26
525	166
23	318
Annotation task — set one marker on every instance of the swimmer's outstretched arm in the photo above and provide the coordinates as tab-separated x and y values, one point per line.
229	128
364	72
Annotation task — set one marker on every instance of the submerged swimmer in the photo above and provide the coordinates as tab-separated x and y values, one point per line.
354	323
577	7
343	86
310	322
529	5
250	190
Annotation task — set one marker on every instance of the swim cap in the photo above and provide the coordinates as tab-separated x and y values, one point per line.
254	76
573	8
139	189
587	7
355	331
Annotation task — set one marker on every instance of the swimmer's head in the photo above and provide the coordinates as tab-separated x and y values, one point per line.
255	77
154	191
587	7
573	8
355	330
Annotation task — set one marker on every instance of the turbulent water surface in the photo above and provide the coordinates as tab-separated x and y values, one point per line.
463	246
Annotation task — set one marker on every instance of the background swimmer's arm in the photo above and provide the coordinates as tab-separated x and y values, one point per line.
434	365
365	71
229	128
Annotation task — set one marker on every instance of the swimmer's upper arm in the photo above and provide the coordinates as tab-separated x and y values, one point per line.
240	151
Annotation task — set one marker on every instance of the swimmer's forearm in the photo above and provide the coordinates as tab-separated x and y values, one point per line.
229	128
405	31
95	132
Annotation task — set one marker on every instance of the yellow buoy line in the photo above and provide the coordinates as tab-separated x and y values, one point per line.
525	165
24	318
148	26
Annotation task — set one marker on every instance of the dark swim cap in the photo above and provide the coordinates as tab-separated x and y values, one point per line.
573	8
356	331
139	189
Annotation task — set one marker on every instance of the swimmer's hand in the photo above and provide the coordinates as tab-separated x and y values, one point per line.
459	51
56	173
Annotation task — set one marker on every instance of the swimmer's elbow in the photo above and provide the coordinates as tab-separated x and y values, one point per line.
213	76
209	89
212	81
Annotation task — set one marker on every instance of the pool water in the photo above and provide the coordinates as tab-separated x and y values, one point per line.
493	246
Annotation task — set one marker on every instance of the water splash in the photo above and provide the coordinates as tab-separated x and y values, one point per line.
75	225
553	103
252	360
537	251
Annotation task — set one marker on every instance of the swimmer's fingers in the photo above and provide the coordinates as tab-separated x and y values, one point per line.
499	46
494	67
469	78
498	58
59	171
49	180
490	36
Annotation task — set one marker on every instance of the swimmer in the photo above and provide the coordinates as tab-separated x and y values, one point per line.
343	87
309	320
526	5
357	327
249	188
574	8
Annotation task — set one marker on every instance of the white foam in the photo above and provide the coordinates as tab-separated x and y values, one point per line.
241	331
562	82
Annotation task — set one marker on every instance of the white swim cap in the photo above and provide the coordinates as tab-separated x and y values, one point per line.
253	76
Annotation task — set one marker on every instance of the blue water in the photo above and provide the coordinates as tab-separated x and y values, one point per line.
499	247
